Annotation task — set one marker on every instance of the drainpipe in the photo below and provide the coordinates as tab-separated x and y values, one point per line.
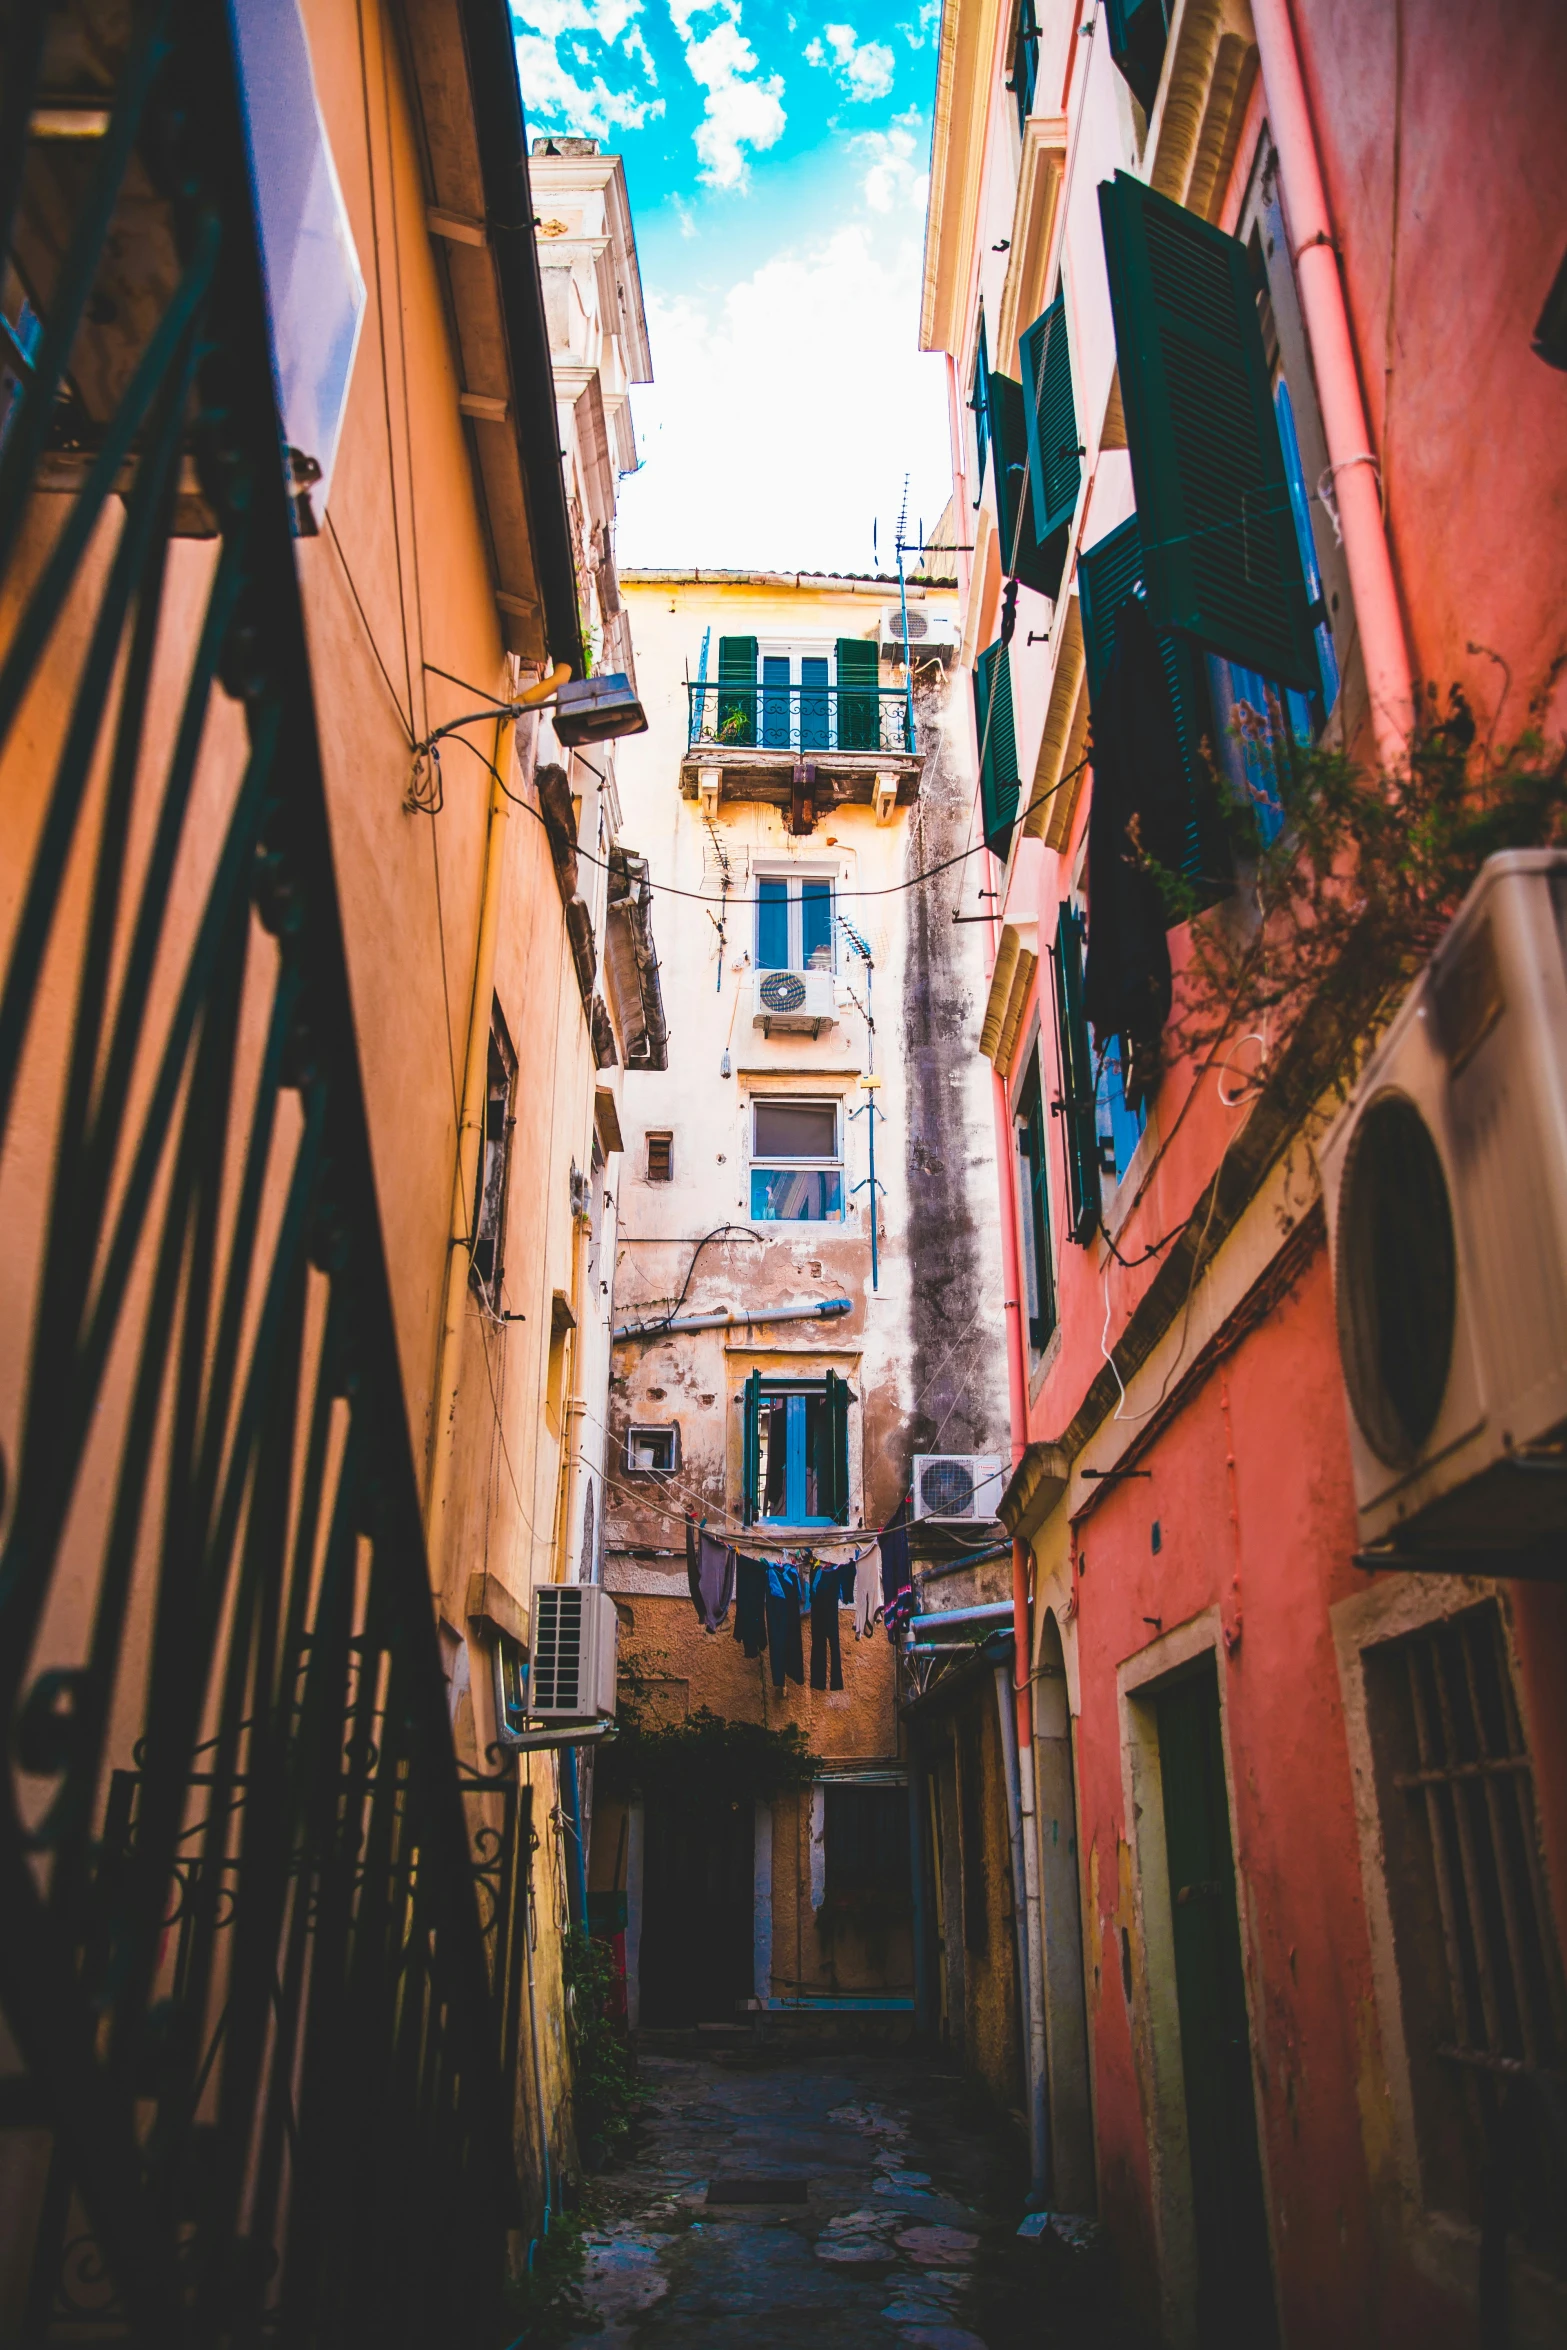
470	1131
823	1309
1031	1941
1356	478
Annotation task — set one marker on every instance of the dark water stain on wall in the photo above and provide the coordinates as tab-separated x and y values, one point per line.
959	1384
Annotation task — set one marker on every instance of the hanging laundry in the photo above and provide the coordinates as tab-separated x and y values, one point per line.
715	1579
847	1571
750	1603
785	1647
825	1598
867	1593
897	1581
693	1567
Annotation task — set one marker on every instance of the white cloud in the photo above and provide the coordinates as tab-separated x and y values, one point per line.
740	108
864	68
894	178
917	33
786	412
550	90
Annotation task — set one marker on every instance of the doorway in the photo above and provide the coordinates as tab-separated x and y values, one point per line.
1235	2307
697	1955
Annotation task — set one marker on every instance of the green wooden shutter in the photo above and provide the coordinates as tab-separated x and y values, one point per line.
751	1500
998	776
1075	1103
832	1452
1107	573
1138	32
979	402
737	689
858	680
1022	557
1221	559
1055	465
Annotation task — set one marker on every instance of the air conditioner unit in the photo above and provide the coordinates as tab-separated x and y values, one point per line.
572	1674
1446	1186
933	636
791	1001
958	1485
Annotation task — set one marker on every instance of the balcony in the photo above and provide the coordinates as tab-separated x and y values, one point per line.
808	747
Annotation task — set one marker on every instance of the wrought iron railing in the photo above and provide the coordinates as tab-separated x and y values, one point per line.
800	718
265	2015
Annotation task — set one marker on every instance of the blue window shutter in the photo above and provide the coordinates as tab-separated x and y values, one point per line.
859	679
751	1503
1054	462
1075	1103
1107	573
737	689
998	776
1221	562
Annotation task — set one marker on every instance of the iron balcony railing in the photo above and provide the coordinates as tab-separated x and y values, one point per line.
800	718
263	1995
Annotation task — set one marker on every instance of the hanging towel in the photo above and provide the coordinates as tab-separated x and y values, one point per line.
867	1594
785	1647
750	1603
693	1567
715	1579
824	1630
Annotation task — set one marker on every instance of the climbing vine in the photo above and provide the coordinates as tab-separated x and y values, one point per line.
1339	912
701	1759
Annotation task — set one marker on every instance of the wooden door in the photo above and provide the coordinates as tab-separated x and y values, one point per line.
697	1912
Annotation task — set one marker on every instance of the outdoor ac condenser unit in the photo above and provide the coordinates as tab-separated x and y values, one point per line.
933	636
957	1485
572	1674
794	1001
1446	1186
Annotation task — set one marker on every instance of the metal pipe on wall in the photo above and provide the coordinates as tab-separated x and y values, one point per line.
1356	477
1030	1920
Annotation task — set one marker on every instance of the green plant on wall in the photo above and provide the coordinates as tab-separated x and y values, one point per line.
702	1758
1338	913
604	2089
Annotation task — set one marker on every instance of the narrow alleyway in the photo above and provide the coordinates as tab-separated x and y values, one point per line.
775	2198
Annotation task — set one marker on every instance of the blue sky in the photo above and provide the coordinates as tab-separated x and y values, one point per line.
776	158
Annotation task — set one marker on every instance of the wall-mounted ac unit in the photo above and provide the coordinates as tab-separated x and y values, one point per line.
795	1001
1446	1184
933	636
571	1677
958	1485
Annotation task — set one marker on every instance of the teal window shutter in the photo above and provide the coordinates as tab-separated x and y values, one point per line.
737	689
979	402
1022	556
1075	1103
1055	461
751	1502
1107	574
1034	1170
832	1452
1220	556
998	776
858	682
1024	78
1139	30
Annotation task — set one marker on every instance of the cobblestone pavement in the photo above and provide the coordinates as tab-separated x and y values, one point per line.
894	2219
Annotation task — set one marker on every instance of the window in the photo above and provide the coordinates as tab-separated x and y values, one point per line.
1138	31
1074	1059
793	923
1022	556
866	1834
998	775
796	1451
796	1166
859	686
1055	455
1118	1126
489	1207
653	1451
1033	1193
1221	563
660	1158
1479	1974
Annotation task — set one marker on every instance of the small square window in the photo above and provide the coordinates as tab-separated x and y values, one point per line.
660	1158
653	1451
796	1165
